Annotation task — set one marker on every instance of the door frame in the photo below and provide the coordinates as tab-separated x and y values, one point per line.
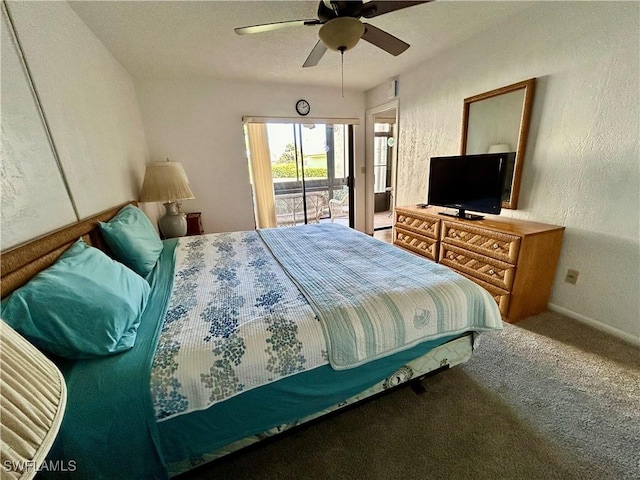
349	154
368	160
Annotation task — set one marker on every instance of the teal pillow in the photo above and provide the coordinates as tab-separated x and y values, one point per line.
85	305
133	240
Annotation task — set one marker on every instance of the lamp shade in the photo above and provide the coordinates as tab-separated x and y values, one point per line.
499	148
33	397
341	33
165	182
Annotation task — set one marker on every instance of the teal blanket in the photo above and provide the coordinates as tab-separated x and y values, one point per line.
374	299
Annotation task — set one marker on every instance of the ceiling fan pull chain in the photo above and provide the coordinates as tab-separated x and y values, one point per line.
342	71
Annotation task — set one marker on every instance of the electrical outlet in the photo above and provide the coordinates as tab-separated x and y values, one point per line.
572	276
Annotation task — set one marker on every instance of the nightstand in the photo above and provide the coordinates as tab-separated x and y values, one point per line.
194	223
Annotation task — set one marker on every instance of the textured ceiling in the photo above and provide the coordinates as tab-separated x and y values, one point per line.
195	39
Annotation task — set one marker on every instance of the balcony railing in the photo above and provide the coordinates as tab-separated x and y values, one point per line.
290	202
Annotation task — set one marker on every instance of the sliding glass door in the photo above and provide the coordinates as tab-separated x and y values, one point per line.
300	173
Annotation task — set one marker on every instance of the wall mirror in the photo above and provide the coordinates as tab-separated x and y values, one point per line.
498	122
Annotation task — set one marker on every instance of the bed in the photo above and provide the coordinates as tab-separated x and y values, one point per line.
244	335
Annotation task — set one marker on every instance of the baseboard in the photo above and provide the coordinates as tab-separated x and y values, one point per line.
627	337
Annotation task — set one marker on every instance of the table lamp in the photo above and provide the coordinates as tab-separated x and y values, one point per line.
33	397
168	183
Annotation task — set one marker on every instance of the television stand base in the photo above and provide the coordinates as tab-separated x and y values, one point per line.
462	214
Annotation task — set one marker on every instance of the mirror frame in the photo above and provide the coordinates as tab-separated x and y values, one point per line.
525	120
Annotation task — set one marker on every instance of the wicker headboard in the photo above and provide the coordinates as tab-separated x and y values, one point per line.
21	263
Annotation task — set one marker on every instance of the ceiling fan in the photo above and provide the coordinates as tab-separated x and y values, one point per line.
341	26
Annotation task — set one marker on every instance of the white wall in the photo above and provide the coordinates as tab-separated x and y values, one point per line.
28	164
90	104
199	123
582	162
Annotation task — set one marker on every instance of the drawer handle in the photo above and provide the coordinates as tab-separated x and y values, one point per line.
495	245
454	235
452	256
491	272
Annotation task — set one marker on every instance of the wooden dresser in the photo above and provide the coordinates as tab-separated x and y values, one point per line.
514	260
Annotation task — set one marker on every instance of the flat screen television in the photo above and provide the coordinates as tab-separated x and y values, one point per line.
468	182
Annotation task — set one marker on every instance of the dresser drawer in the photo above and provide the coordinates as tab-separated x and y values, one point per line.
498	245
425	246
501	296
422	225
478	266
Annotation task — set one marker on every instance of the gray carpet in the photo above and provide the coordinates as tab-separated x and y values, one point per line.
546	398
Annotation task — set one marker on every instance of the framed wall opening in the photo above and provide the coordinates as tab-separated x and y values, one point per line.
300	173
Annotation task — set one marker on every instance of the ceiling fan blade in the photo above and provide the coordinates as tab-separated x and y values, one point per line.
384	40
378	7
268	27
315	55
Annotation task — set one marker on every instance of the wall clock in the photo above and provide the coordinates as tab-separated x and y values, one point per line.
303	107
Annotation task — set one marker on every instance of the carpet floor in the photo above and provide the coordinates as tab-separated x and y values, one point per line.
546	398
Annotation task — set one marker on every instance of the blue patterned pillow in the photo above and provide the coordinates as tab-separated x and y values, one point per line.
85	305
133	240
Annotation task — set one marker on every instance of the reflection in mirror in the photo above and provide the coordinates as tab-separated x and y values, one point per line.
497	122
384	160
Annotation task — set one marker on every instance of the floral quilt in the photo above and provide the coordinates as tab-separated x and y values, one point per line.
235	321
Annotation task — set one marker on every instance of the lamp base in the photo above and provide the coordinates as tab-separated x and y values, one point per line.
174	222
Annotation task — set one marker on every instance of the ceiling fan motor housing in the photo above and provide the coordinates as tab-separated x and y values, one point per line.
330	9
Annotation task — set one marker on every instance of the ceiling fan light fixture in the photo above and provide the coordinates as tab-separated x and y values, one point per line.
341	33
